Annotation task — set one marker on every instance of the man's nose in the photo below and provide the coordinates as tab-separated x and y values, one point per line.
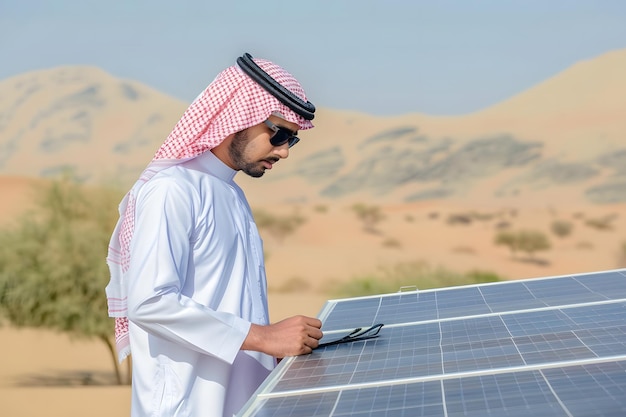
282	151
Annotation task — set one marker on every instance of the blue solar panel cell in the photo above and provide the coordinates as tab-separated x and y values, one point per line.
512	394
343	313
604	342
562	291
553	347
392	401
591	390
313	405
405	352
611	285
480	355
407	307
461	302
537	322
471	330
597	316
510	297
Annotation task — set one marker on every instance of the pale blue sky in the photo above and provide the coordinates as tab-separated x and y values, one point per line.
386	57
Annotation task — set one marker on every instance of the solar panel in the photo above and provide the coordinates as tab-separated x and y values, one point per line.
553	346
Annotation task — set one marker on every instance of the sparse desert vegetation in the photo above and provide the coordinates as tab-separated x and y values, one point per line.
561	228
277	226
527	241
601	223
369	215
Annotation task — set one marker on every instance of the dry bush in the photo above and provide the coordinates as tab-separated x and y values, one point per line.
507	239
370	216
391	243
602	223
459	218
529	241
561	228
470	216
279	227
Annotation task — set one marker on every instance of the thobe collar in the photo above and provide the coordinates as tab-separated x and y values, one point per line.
211	164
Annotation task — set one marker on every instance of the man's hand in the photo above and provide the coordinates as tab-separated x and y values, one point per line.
297	335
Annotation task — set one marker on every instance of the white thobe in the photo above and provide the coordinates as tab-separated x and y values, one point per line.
196	282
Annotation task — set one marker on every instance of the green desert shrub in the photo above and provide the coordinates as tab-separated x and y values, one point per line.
277	226
528	241
561	228
508	239
370	216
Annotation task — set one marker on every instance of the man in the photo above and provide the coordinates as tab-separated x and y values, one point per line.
188	286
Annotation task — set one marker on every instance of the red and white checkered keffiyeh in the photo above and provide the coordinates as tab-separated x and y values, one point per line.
231	103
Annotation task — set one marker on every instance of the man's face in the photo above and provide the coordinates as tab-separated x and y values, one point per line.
251	151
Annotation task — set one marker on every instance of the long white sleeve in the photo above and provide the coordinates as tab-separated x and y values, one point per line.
170	214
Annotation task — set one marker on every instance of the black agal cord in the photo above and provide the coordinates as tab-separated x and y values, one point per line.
305	109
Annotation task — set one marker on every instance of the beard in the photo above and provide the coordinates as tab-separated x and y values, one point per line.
237	152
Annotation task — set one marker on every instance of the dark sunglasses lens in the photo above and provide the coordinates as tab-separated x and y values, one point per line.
293	140
283	136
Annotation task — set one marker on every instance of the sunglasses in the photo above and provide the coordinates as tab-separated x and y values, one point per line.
281	135
357	334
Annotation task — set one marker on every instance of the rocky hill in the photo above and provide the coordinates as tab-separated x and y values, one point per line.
561	142
83	120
